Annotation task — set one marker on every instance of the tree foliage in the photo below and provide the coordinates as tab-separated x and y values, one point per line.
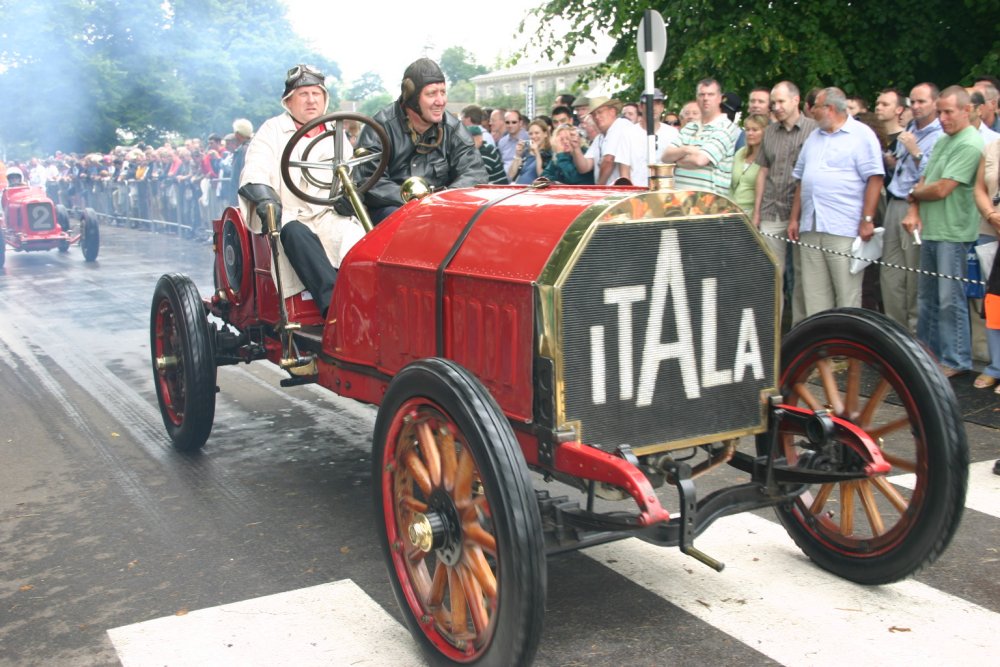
375	102
75	75
369	84
861	47
459	65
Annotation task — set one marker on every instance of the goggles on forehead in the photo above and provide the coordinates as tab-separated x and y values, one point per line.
299	71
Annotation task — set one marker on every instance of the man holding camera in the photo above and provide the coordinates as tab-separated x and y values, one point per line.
514	133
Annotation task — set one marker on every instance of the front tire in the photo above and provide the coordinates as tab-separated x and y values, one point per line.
870	371
90	238
184	369
445	456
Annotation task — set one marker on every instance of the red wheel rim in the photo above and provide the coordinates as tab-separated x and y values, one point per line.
169	363
862	518
451	591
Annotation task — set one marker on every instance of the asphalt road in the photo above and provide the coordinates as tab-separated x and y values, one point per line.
103	527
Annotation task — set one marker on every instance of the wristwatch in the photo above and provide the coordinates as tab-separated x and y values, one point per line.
919	156
868	218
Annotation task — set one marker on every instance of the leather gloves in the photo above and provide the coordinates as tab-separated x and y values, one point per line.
266	203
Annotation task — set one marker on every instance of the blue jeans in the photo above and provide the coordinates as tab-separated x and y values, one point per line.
993	343
943	310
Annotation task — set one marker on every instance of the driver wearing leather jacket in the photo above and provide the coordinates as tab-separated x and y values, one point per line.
425	140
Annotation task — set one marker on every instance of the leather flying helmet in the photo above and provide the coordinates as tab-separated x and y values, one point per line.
419	74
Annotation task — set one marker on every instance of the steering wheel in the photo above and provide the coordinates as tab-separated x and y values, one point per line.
337	121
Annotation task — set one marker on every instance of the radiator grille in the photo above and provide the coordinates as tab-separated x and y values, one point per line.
40	217
668	332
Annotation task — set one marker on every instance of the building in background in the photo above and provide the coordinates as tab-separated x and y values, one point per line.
547	80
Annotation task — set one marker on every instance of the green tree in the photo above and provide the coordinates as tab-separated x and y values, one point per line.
459	65
463	91
76	75
369	84
374	102
859	46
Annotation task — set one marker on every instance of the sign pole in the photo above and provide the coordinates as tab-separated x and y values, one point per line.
651	43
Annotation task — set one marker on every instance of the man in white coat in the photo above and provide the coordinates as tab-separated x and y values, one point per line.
314	238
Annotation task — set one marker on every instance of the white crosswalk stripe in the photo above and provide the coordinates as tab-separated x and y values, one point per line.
331	624
983	494
770	597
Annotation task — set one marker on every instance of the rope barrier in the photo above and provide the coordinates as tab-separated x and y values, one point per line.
155	224
932	274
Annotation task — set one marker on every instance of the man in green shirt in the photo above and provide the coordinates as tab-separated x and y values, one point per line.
943	210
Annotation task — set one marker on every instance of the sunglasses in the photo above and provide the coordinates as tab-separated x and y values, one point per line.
675	123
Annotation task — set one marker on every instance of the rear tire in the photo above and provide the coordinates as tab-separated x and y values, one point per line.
870	371
184	369
62	216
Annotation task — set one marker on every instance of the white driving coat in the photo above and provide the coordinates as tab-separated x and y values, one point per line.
263	165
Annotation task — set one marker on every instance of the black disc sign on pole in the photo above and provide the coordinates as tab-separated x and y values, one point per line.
651	43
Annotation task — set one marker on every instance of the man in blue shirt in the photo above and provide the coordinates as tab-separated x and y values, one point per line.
840	176
515	133
913	152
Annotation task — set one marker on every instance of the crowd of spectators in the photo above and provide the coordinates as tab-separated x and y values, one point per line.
186	184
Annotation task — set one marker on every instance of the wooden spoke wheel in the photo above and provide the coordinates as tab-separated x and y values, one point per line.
461	530
866	369
184	367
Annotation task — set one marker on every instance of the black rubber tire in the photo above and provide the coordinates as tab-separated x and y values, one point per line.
443	394
62	216
90	235
919	429
184	369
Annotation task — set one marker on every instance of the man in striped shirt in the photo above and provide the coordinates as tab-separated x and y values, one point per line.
703	151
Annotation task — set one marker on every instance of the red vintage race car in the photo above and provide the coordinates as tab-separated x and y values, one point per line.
32	222
602	341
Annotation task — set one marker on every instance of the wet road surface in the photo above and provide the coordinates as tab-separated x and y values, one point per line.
103	525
